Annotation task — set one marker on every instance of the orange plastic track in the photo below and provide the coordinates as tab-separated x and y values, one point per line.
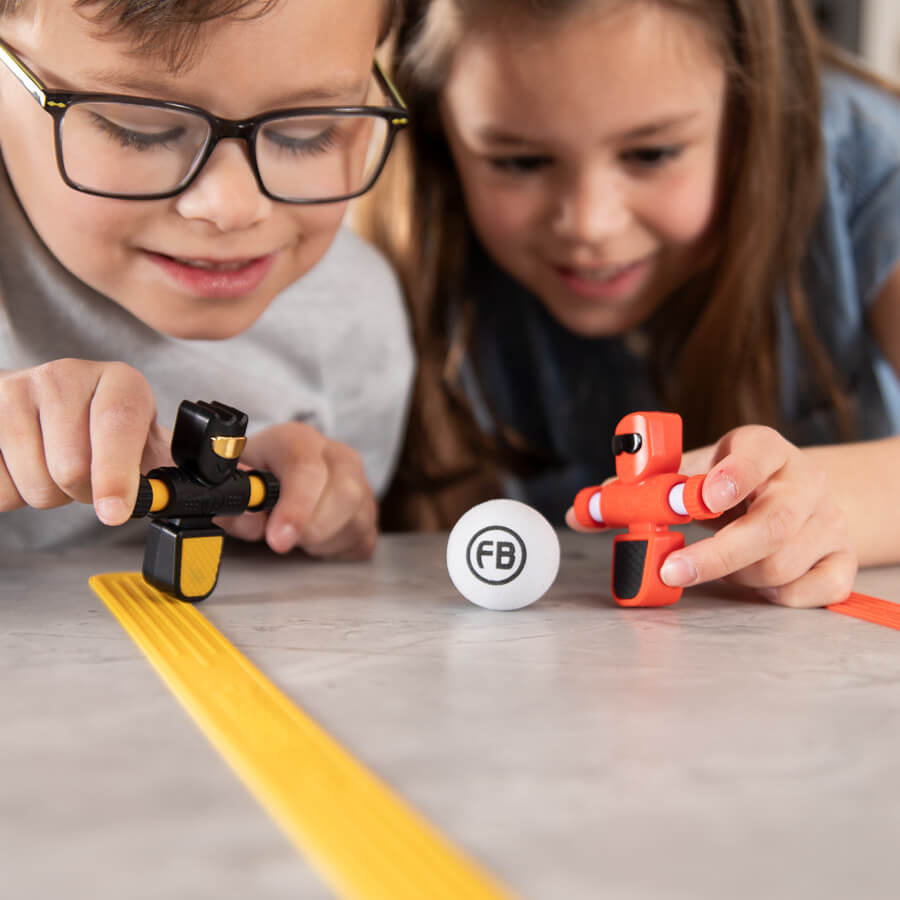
871	609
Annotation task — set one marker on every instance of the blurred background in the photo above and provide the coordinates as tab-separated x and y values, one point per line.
869	28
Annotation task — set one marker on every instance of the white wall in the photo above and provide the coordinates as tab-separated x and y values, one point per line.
881	35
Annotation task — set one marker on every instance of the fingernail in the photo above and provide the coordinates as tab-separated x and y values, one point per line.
284	538
111	510
721	493
678	571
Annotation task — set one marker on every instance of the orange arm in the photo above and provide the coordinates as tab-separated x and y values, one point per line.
617	504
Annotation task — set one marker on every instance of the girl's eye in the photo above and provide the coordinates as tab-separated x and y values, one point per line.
519	165
651	157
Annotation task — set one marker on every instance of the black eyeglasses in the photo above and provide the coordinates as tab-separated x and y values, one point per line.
133	148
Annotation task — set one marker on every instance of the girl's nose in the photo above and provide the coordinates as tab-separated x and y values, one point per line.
591	208
225	192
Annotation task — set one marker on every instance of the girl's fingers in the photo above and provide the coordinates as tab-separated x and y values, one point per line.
752	456
573	523
778	509
829	581
823	534
771	522
698	461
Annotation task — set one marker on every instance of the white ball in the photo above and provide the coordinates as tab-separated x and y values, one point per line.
502	554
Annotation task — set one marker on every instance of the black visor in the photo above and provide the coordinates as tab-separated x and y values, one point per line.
626	443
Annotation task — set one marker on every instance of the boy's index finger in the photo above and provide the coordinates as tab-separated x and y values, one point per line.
122	415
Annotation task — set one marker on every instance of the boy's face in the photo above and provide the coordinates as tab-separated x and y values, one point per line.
588	155
205	263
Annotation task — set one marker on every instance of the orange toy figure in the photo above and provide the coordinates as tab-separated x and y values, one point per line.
648	495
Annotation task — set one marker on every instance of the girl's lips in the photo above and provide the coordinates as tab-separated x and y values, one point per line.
211	278
620	283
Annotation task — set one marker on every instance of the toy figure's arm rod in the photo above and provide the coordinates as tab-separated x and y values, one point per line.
169	493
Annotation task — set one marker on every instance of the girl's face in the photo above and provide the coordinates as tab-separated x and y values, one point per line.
589	155
206	263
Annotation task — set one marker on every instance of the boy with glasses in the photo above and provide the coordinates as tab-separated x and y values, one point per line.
170	171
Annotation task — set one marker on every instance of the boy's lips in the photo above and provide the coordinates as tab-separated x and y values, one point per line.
211	277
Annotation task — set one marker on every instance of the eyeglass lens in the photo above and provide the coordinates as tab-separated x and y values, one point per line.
132	149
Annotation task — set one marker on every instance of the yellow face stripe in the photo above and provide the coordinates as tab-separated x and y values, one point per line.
228	447
364	841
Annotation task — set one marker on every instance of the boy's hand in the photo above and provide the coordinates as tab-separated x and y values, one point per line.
326	506
782	533
77	430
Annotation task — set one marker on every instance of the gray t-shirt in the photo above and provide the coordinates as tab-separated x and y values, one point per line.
332	350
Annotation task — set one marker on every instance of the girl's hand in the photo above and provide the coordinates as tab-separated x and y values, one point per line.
77	430
782	532
326	506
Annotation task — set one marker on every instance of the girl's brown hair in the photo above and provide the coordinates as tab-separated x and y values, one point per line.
171	28
713	343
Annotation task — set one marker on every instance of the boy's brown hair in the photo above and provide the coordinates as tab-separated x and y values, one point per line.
171	28
713	344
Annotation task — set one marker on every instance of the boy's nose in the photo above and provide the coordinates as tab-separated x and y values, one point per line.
591	208
225	192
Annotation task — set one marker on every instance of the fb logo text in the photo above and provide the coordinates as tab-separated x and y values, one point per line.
496	555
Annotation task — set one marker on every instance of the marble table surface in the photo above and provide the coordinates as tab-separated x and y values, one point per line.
722	747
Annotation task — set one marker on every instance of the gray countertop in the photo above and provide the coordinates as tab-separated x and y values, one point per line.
722	747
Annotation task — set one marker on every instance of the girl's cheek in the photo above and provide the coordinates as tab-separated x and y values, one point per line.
500	213
684	211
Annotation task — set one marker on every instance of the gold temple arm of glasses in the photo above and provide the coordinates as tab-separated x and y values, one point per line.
28	79
395	94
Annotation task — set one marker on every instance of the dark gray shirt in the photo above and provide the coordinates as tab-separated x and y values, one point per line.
566	394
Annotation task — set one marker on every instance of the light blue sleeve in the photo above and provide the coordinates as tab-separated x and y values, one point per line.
865	129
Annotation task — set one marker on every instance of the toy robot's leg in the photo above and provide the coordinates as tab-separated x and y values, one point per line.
182	557
637	559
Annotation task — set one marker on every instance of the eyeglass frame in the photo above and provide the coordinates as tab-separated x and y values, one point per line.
57	103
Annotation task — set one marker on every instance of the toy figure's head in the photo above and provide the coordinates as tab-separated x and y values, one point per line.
208	439
646	444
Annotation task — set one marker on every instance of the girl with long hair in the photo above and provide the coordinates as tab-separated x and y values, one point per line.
615	205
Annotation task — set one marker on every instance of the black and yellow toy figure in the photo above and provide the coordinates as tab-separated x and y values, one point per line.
184	547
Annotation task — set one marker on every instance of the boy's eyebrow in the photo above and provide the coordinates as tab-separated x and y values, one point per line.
135	83
493	135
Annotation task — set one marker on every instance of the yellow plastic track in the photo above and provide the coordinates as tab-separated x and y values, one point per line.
362	839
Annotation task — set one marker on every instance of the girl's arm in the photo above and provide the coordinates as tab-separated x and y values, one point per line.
865	481
866	476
